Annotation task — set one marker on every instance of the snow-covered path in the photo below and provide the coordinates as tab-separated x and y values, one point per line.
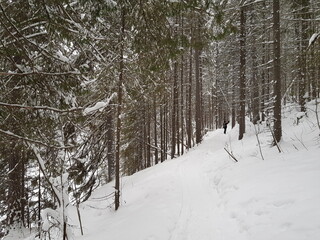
176	196
197	202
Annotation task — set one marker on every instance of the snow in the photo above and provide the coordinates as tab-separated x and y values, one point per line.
313	38
62	58
205	195
46	214
300	114
99	106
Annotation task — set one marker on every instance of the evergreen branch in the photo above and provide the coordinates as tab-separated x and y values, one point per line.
28	140
43	50
45	108
39	73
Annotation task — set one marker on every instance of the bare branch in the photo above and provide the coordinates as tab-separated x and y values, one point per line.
43	170
28	140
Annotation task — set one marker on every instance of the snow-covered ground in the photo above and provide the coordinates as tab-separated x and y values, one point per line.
206	195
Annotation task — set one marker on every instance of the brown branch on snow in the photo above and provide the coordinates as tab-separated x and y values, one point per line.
231	155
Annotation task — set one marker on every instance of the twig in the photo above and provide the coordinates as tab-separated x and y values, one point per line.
257	135
28	140
274	138
233	157
301	142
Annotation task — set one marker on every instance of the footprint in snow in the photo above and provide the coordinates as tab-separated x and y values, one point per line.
283	203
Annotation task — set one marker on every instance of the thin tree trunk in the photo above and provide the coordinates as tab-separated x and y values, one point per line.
148	136
189	125
242	85
156	154
162	141
110	143
198	97
182	107
254	86
174	111
39	203
198	104
263	83
233	111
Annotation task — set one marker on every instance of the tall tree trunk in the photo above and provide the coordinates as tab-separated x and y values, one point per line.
166	131
156	154
162	135
174	111
148	136
301	8
198	90
233	107
198	119
110	143
263	82
14	217
182	105
277	71
189	117
119	111
242	85
254	81
39	202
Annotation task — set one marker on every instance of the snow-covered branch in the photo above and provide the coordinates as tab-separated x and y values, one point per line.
99	106
43	170
39	73
313	39
45	108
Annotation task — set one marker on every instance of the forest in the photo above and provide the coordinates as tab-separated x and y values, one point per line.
93	90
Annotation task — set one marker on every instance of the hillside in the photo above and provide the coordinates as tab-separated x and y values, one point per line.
206	195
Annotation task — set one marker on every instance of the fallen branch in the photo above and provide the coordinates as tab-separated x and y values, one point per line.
275	143
231	155
259	144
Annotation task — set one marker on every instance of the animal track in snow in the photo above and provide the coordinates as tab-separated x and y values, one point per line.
283	203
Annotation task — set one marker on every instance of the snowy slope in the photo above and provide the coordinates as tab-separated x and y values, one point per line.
205	195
